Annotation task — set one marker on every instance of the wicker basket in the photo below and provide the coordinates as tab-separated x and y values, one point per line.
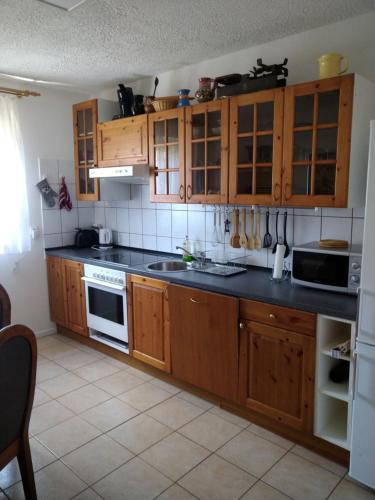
164	103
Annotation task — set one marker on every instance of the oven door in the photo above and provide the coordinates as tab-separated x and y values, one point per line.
106	308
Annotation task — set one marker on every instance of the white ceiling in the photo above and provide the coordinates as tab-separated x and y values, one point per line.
106	41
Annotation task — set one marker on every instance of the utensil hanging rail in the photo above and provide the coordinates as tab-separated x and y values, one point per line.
18	93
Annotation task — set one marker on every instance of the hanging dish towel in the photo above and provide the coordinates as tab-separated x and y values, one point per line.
64	196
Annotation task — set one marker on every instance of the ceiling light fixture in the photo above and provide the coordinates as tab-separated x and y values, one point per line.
67	5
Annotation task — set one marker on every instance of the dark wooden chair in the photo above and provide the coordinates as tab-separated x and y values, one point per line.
18	356
4	308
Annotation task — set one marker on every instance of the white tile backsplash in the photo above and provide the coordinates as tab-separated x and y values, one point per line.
51	222
69	220
139	223
179	224
337	228
306	228
86	217
164	223
149	221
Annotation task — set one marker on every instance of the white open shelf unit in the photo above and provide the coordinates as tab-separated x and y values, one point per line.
333	401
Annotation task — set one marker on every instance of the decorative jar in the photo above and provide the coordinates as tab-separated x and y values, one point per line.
183	97
205	91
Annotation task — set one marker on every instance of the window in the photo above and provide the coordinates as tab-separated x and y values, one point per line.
14	217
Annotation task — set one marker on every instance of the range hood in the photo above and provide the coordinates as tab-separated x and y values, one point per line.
132	174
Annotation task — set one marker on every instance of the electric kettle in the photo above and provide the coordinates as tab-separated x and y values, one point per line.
105	236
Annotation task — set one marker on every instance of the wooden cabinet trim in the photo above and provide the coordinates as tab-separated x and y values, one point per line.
162	362
223	107
277	96
93	104
178	113
345	84
122	123
303	421
278	316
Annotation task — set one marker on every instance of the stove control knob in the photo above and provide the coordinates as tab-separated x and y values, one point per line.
95	275
121	281
356	266
102	276
354	279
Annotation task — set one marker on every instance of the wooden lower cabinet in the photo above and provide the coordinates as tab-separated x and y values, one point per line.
75	302
67	294
56	289
204	339
276	376
148	321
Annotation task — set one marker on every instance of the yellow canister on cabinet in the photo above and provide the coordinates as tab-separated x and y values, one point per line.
330	65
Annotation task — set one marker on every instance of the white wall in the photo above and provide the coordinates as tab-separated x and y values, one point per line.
353	38
46	124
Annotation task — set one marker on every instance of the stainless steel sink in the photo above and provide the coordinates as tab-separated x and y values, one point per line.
168	266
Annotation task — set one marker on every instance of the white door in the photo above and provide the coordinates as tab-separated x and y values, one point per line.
362	455
366	326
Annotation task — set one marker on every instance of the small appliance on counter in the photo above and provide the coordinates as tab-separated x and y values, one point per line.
86	238
332	269
105	239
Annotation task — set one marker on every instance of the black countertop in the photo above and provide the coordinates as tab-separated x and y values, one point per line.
254	284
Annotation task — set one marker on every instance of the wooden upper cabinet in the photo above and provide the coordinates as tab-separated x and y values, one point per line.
204	339
123	142
56	289
317	133
148	316
85	117
167	155
255	145
74	297
207	152
277	374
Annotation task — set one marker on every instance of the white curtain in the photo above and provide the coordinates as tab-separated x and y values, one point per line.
14	216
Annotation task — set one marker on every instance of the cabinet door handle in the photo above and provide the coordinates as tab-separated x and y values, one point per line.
242	326
181	192
194	300
188	192
272	316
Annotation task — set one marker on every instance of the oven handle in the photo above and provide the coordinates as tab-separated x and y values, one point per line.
103	283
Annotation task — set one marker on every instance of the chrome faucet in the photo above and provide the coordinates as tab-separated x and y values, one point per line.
199	257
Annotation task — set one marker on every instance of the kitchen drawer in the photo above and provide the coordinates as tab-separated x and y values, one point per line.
281	317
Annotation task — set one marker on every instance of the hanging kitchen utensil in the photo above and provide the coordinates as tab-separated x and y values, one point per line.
287	249
215	237
277	232
156	83
258	241
220	229
267	240
243	237
235	240
251	241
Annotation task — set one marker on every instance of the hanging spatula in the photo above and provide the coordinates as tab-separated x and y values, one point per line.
267	240
277	233
243	237
251	242
287	249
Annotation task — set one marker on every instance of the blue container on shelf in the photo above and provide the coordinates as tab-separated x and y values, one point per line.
183	97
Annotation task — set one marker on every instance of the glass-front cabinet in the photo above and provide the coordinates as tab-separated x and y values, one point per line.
317	130
207	152
167	155
255	161
85	157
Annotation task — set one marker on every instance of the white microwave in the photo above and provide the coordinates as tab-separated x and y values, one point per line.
332	269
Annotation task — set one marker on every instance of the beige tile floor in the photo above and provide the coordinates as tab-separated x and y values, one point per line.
101	429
